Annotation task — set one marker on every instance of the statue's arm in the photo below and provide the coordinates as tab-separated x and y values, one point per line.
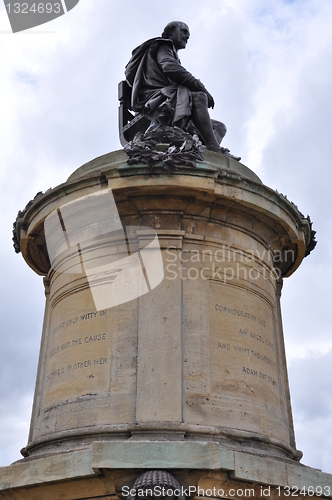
172	68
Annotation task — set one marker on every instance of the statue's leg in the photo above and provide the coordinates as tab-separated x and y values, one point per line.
202	120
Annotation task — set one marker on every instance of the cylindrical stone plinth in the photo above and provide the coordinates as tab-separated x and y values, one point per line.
163	306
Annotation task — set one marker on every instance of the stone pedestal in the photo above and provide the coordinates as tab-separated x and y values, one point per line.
162	345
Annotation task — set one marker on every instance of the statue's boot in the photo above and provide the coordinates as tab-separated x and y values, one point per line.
227	152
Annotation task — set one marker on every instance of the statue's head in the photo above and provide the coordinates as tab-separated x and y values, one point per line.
178	32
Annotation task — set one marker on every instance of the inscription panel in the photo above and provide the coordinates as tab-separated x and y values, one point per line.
78	358
243	354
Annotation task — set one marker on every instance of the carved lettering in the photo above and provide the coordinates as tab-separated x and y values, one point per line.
64	346
257	337
238	312
82	364
83	317
79	365
88	316
249	371
71	321
100	361
268	343
224	346
242	350
268	360
95	338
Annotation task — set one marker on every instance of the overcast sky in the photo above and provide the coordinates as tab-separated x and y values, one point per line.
267	64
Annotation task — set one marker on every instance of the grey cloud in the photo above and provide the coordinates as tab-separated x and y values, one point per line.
311	386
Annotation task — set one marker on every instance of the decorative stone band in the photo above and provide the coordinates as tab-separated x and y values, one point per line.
206	460
218	175
181	431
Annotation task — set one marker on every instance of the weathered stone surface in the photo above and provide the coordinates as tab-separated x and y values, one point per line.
260	470
77	464
305	477
158	454
159	367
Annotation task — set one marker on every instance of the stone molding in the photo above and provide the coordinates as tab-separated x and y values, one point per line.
218	177
175	456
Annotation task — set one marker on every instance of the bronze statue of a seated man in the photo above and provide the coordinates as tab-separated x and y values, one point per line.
166	93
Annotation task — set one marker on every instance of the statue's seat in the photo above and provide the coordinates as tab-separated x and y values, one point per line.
129	122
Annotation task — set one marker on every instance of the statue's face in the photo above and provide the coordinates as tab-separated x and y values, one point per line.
180	36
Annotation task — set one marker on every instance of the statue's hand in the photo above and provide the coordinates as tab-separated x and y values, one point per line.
210	99
199	86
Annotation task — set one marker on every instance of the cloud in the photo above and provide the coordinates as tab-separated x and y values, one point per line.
14	426
310	380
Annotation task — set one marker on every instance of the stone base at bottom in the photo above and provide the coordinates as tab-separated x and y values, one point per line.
105	470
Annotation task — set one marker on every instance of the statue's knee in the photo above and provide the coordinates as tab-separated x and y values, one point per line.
200	98
219	129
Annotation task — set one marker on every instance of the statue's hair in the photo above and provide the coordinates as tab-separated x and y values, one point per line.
169	28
